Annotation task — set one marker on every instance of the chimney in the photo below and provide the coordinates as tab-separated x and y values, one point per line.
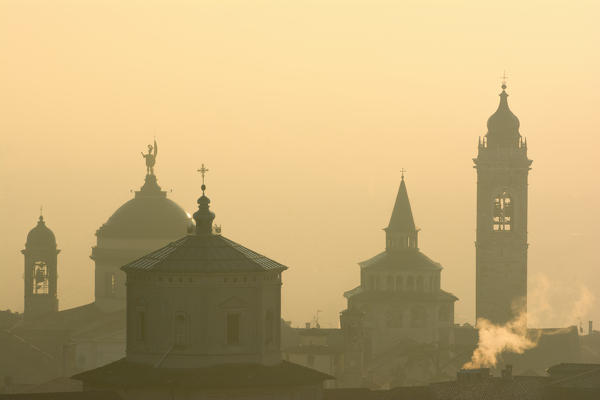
507	372
590	328
307	325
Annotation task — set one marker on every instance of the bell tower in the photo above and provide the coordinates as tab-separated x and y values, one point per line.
501	245
40	271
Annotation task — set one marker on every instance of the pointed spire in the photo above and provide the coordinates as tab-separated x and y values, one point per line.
402	218
401	233
204	217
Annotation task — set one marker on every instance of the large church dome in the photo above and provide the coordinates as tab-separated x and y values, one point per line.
150	214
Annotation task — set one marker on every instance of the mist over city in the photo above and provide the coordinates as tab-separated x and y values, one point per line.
310	200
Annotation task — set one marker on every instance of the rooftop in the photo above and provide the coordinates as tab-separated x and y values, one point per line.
126	374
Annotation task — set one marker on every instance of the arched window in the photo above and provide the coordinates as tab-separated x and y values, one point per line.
269	327
390	283
418	317
180	330
40	278
420	284
410	283
502	213
399	283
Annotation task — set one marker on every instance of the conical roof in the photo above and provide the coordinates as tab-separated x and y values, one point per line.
402	217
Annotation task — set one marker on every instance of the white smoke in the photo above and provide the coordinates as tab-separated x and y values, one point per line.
513	336
497	339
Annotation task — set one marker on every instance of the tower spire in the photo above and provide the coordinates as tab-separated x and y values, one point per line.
203	217
401	232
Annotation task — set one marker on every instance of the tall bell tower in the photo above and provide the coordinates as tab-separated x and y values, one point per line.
501	245
40	271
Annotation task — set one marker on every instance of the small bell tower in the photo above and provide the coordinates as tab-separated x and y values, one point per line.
40	271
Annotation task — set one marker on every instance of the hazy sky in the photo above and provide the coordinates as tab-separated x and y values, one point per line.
305	112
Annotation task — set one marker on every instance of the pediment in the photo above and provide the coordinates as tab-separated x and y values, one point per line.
233	302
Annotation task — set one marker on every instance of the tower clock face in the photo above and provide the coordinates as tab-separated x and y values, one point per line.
502	212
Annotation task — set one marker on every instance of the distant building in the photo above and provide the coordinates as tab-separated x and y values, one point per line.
501	245
41	274
48	343
317	348
145	223
398	310
203	321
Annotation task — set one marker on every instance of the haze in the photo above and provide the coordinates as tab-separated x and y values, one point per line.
305	113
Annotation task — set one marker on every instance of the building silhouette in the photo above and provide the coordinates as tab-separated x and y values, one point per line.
145	223
398	307
501	245
40	275
203	321
48	343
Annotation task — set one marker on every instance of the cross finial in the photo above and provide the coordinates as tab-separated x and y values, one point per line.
504	78
41	213
403	171
203	170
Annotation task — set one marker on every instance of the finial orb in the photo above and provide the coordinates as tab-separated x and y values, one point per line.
203	187
503	86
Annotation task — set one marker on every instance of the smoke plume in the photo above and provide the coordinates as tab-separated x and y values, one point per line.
513	336
496	339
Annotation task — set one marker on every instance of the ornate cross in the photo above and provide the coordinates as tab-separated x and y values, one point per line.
203	170
403	171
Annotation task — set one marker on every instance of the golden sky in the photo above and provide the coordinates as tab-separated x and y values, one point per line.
305	112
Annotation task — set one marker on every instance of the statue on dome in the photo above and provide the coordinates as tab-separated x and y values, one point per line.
151	158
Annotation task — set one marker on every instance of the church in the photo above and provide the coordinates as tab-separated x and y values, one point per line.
45	343
203	321
398	307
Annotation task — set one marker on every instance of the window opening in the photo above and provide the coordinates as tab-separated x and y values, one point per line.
40	278
502	218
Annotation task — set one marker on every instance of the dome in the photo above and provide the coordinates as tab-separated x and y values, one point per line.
40	236
150	214
503	125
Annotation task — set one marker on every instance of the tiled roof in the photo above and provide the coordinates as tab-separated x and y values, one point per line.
203	253
126	374
402	259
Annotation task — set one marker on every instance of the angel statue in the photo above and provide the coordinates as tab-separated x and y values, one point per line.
151	158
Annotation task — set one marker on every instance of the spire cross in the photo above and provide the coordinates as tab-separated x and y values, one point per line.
403	171
203	170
